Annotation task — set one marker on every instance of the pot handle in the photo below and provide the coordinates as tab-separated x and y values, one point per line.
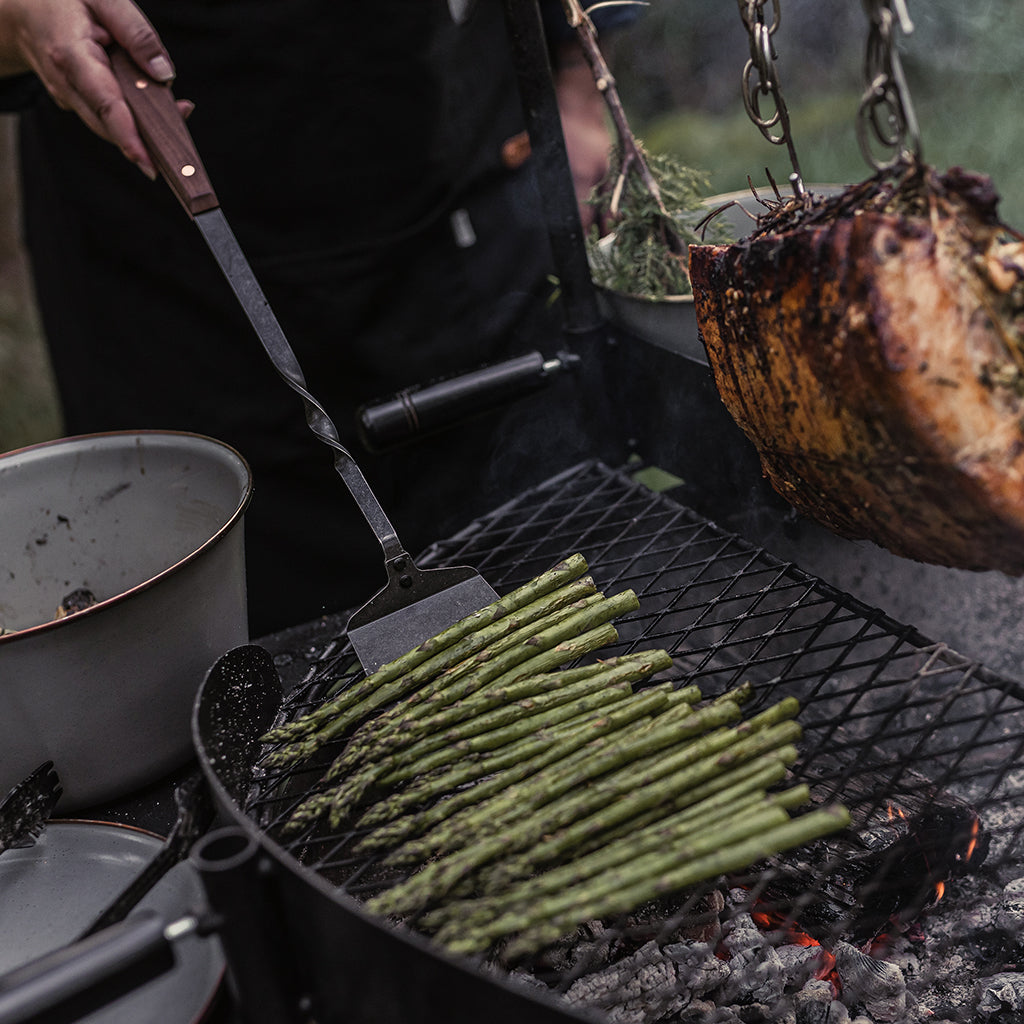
65	985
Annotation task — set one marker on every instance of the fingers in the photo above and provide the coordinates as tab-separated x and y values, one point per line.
80	79
129	27
65	42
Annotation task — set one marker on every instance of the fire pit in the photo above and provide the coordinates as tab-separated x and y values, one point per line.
914	914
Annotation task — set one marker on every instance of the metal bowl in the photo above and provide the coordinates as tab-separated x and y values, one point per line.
151	523
671	322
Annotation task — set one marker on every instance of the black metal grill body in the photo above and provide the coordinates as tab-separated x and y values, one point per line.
887	713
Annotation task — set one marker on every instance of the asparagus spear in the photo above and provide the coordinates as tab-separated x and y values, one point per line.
589	809
344	798
589	822
412	719
569	774
650	877
402	769
559	575
353	706
516	761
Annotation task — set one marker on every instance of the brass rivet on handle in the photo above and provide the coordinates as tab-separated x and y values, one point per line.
188	170
141	83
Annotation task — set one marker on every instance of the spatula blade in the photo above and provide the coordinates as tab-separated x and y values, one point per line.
379	640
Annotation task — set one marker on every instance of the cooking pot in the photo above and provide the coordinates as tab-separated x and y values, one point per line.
149	522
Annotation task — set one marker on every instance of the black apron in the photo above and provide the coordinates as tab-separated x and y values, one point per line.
340	137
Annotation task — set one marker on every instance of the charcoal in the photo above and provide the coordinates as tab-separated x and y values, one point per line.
699	1012
801	963
754	974
877	985
698	968
815	1005
642	987
1010	915
1001	997
880	873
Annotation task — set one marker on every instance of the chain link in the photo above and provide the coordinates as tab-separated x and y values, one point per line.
760	81
886	113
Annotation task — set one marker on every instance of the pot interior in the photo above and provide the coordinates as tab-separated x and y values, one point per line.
109	513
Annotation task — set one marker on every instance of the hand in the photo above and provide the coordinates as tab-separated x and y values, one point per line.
588	138
64	42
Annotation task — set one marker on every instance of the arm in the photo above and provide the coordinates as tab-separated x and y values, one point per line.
64	41
585	127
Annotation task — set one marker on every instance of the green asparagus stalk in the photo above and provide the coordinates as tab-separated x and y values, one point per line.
755	775
346	796
406	722
384	775
522	800
575	823
651	877
518	760
589	809
443	735
355	704
660	835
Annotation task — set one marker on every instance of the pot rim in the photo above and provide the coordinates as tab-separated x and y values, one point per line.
120	598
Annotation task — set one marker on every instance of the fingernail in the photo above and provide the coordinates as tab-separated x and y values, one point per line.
149	172
160	68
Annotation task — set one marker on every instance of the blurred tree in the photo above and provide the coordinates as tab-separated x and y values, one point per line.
679	73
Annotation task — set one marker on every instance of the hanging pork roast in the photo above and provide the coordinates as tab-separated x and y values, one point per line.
871	346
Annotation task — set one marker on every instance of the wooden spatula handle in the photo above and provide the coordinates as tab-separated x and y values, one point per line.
163	130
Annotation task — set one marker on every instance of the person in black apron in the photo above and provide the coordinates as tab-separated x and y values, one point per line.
366	157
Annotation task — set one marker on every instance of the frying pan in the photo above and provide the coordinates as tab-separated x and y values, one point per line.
296	947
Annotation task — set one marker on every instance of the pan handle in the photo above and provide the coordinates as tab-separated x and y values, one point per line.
65	985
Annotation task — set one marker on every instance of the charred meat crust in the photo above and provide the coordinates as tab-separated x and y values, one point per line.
869	346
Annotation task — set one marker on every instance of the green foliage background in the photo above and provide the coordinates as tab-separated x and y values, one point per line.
679	70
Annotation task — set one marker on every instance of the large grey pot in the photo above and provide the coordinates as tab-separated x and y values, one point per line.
151	523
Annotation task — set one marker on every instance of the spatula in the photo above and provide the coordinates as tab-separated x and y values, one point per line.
415	604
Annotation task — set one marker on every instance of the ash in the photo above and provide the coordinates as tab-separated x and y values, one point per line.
962	962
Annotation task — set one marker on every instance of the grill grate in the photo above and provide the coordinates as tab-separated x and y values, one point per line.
887	713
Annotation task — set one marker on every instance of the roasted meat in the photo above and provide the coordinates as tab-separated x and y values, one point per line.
871	346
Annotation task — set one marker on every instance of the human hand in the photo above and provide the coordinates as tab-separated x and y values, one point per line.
585	127
64	42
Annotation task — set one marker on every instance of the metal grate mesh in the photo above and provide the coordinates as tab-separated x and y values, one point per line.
888	715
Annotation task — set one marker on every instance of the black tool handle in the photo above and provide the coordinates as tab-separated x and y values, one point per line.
71	982
445	403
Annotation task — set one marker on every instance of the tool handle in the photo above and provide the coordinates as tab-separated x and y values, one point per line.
163	130
445	403
73	981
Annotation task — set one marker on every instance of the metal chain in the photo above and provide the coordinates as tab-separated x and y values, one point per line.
760	80
885	111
